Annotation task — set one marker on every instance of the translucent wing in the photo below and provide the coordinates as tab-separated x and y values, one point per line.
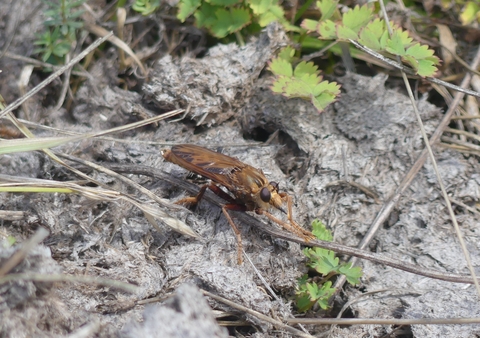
219	168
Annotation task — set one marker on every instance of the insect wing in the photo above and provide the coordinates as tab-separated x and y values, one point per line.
210	164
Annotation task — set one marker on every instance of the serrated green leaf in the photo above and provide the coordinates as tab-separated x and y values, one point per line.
419	51
305	68
371	34
395	44
280	84
357	18
384	39
326	265
289	27
309	25
327	8
411	61
321	232
403	35
327	30
187	8
275	13
287	54
433	59
281	67
331	88
205	15
326	292
322	101
224	3
313	290
469	12
352	274
260	6
229	21
345	33
368	39
302	280
304	303
426	68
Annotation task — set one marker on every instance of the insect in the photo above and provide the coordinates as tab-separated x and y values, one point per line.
250	188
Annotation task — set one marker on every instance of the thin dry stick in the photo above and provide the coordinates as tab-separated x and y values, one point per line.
411	72
367	321
259	315
393	200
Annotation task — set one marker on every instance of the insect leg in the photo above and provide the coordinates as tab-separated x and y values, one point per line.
236	207
212	187
232	206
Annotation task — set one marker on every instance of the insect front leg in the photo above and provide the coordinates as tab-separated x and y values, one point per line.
293	226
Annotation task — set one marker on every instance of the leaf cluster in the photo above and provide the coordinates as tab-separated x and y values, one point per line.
360	24
61	28
327	265
302	81
224	17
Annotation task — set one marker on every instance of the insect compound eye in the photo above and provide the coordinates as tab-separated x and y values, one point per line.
265	195
274	185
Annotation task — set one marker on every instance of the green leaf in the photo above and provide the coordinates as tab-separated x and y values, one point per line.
327	8
260	6
326	292
306	69
327	30
304	303
281	67
309	25
321	232
287	54
323	100
357	18
396	44
326	265
187	8
224	3
205	15
303	82
419	51
352	274
61	49
275	13
229	21
346	33
426	68
370	36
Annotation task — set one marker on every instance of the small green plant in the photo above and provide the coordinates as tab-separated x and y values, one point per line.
303	81
360	24
327	265
61	29
224	17
146	7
